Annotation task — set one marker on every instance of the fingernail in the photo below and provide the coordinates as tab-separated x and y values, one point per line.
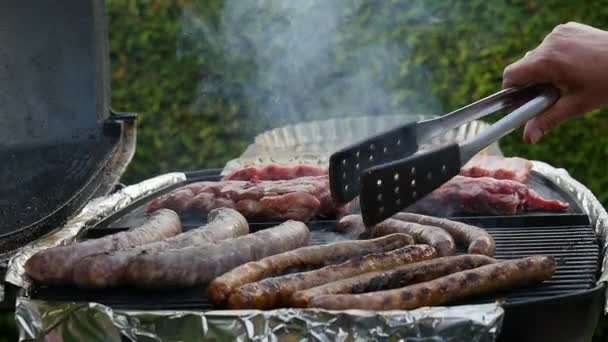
535	135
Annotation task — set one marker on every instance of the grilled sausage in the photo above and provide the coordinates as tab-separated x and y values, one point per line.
457	286
54	266
223	287
178	200
477	239
197	265
434	236
276	292
393	278
351	225
108	269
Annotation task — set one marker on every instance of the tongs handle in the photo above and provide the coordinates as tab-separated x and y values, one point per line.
505	98
546	97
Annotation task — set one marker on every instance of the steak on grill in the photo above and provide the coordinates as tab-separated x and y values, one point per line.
275	172
517	169
295	199
484	196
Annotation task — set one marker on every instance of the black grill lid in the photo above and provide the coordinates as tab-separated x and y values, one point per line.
55	128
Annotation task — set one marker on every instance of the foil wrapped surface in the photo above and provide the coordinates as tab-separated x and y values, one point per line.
590	205
313	142
94	322
92	213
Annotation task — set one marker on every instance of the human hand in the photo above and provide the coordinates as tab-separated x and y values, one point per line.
573	58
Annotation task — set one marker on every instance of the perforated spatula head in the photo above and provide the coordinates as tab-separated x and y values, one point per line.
347	165
387	189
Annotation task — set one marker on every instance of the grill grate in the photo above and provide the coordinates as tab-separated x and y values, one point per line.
574	246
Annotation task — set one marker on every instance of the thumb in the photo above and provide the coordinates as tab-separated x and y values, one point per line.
564	109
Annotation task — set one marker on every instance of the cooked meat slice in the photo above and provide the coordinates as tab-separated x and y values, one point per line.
275	172
483	196
513	168
295	199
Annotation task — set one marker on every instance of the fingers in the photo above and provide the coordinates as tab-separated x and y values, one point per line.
564	109
533	68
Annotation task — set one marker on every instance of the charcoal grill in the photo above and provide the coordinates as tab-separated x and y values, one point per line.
59	83
564	308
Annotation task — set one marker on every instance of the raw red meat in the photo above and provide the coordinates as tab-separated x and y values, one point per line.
296	199
484	196
517	169
275	172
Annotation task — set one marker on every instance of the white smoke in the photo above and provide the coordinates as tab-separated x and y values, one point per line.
308	59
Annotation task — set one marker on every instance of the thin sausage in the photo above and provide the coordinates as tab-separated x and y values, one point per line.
54	266
457	286
276	292
393	278
477	239
197	265
222	288
108	269
434	236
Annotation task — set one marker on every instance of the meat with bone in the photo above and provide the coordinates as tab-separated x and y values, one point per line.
224	286
54	266
514	168
296	199
438	238
486	279
392	278
197	265
277	291
476	239
275	172
108	269
483	196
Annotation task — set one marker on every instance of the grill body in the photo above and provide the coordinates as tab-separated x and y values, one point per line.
564	308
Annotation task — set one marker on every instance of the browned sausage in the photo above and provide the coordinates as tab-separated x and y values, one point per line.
276	292
499	276
434	236
54	266
393	278
222	288
477	239
351	225
197	265
108	269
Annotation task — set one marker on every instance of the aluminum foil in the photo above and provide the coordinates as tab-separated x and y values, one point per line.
313	142
94	322
92	213
590	205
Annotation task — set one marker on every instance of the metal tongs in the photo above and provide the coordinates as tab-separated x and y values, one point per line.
387	171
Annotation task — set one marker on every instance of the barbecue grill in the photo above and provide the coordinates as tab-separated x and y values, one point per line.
94	145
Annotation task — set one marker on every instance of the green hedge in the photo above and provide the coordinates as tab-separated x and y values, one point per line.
201	102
